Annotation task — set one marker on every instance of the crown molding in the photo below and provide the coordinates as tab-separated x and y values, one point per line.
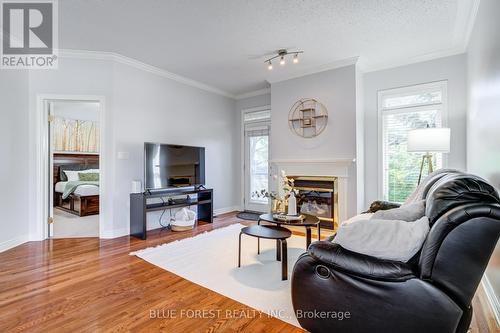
313	70
366	68
253	93
464	22
116	57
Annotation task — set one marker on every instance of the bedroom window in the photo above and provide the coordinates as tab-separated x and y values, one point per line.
401	110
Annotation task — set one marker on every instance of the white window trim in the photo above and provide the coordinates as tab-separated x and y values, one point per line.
442	85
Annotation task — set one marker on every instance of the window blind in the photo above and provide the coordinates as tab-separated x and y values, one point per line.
402	111
257	115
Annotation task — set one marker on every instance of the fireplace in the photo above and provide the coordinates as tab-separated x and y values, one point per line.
318	196
340	173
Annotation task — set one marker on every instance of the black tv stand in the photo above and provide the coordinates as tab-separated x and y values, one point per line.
139	206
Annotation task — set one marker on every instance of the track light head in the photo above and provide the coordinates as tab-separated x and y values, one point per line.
282	54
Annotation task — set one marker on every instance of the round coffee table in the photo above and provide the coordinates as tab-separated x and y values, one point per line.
269	232
308	222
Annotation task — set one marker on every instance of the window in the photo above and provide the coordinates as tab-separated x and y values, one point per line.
401	110
258	168
256	129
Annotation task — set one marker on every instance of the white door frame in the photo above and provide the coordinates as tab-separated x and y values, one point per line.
42	158
242	149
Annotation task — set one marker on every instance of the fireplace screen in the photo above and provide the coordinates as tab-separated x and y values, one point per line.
318	196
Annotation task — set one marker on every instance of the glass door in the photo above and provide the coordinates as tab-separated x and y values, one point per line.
256	166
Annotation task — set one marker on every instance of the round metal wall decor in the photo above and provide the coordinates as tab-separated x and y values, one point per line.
308	118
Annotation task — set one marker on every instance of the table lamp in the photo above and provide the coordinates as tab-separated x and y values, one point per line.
428	140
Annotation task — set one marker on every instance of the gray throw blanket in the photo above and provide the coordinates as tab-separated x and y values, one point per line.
72	185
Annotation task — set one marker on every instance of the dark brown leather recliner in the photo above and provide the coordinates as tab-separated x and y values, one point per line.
432	293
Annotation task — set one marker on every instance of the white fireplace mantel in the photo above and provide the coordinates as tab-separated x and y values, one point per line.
329	167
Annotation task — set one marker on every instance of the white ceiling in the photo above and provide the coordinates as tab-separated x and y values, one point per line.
223	43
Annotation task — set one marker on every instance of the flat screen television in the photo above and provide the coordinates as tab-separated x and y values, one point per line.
173	166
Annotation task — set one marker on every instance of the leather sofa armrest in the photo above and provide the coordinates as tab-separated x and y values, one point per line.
382	205
338	258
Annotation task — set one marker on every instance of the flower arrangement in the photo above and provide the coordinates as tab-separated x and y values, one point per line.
279	199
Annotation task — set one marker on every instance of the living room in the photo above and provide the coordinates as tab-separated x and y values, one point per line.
244	150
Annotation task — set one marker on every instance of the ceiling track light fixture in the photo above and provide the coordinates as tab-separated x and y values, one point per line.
282	53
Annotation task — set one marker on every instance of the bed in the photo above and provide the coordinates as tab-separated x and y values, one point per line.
84	200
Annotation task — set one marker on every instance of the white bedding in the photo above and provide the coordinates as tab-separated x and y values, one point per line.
82	190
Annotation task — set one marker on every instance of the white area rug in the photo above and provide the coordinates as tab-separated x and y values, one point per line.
67	225
211	260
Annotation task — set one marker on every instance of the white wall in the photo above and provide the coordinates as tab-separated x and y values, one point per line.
140	106
483	116
74	77
77	110
452	69
336	89
151	108
14	226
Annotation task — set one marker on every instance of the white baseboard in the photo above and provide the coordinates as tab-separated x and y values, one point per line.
225	210
492	298
107	234
9	244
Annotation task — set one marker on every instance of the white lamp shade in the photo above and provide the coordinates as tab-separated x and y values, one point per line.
435	140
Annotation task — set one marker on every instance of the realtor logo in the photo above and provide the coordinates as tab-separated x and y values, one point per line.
29	34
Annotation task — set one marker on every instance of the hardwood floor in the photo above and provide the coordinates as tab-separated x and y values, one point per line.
94	285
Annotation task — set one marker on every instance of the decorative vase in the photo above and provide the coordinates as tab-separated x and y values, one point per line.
274	206
281	207
292	204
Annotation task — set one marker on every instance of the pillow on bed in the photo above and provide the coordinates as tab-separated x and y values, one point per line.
72	175
384	239
88	176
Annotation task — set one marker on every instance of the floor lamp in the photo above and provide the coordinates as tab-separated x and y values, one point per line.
428	140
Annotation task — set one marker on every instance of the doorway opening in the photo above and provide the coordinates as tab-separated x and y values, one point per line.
256	131
70	157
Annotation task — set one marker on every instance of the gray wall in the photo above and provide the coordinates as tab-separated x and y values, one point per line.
14	149
74	77
151	108
336	89
483	116
452	69
253	102
140	106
